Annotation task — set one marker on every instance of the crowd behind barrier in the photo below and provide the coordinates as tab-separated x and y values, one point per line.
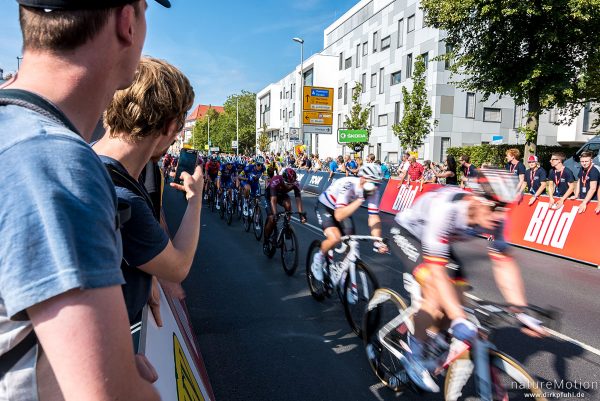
563	232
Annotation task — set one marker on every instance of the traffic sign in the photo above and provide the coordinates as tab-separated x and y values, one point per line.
214	149
353	135
206	147
317	99
234	144
318	129
318	118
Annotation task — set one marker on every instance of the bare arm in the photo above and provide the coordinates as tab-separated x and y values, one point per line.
347	211
509	281
85	335
374	222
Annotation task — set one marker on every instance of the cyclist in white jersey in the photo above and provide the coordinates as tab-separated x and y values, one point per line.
338	203
424	239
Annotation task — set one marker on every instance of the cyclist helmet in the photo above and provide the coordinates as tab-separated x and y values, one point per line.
214	157
499	186
259	160
229	160
289	175
371	172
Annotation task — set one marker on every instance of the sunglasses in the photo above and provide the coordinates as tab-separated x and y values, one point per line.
554	159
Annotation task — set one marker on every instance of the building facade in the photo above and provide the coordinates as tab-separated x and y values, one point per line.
376	44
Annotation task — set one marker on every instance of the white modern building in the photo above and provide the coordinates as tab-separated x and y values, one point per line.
376	43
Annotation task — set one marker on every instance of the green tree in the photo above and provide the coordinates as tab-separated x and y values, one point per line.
201	128
416	121
263	139
247	121
541	52
359	116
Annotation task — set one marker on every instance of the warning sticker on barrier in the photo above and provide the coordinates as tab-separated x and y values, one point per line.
187	385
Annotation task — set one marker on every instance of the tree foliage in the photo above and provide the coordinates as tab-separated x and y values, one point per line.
359	115
263	139
223	125
542	53
416	123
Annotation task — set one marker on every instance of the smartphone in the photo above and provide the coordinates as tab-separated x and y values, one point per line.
188	158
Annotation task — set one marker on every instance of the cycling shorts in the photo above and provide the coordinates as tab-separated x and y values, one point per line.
409	250
213	176
326	218
281	198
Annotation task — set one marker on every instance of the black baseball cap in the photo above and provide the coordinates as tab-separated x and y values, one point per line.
81	4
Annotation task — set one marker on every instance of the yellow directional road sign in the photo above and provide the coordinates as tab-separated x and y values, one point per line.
318	99
317	118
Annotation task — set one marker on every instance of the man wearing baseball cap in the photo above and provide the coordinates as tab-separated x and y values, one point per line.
535	179
64	332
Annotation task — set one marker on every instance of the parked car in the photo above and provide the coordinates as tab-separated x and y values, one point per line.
593	145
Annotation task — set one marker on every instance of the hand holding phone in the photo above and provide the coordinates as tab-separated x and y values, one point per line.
188	158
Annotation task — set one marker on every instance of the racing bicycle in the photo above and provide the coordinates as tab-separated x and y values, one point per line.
350	277
285	239
476	368
253	216
211	196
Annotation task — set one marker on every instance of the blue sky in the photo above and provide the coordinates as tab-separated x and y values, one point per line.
222	46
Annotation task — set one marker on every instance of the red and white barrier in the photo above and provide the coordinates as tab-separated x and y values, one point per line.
563	232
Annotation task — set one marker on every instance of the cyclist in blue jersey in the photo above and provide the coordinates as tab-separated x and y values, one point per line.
226	178
252	174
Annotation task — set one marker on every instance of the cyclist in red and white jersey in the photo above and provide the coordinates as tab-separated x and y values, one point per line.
424	239
338	203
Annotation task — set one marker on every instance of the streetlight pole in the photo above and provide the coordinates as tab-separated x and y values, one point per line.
301	88
237	125
208	115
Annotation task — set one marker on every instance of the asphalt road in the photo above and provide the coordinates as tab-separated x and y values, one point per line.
263	337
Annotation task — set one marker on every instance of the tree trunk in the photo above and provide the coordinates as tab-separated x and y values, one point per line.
532	125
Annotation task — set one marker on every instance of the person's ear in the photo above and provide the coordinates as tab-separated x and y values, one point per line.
125	24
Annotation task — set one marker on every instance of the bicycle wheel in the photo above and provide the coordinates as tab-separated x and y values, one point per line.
229	210
221	206
247	219
357	295
510	381
289	251
383	315
257	222
211	198
316	287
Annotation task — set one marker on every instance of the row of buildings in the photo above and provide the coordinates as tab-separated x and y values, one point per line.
376	43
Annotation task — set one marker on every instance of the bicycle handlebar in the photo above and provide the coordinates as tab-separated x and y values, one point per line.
347	238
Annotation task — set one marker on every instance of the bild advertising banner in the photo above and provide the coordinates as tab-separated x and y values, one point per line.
563	232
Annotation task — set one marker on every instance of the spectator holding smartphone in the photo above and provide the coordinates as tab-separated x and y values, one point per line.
587	183
142	122
60	261
468	171
535	179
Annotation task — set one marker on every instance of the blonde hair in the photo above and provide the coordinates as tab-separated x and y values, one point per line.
159	94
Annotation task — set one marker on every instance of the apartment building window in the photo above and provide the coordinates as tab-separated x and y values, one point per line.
373	80
372	116
293	109
290	114
375	38
287	94
385	43
340	121
426	60
358	55
381	80
340	92
348	63
470	113
448	62
397	113
341	66
396	78
308	77
586	118
365	48
410	23
400	32
364	82
382	120
409	65
281	94
552	113
492	115
346	93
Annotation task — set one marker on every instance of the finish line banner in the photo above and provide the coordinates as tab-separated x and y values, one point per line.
563	232
171	349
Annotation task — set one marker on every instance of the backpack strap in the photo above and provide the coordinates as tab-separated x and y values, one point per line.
128	182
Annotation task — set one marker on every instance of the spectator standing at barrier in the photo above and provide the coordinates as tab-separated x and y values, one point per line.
404	165
307	161
60	269
514	165
350	166
384	169
333	168
316	163
535	179
415	170
561	181
142	121
428	173
587	183
448	173
468	171
370	158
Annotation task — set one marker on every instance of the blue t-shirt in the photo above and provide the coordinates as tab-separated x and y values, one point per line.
561	180
585	178
534	179
351	165
333	167
57	220
385	171
143	240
